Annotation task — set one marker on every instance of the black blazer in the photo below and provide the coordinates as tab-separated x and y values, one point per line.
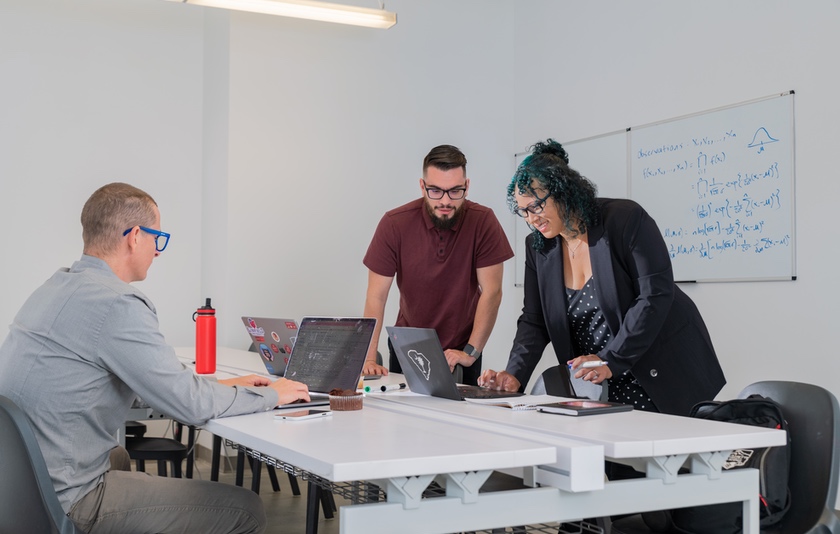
657	331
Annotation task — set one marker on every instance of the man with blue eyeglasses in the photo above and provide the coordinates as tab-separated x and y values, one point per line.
447	255
84	346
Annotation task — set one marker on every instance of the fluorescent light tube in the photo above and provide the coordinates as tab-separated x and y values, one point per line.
306	9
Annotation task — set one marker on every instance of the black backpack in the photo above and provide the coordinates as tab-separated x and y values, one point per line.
773	464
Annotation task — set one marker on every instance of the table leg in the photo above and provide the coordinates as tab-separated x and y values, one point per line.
312	508
215	458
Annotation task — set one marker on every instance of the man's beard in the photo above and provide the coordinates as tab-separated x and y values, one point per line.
441	223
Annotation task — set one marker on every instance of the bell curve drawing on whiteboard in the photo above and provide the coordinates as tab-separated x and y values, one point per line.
720	185
761	136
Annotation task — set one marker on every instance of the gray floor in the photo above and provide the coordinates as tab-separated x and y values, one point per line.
285	511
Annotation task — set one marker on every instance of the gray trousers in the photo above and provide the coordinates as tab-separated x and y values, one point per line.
128	502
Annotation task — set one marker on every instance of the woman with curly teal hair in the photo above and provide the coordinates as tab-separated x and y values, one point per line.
599	287
541	171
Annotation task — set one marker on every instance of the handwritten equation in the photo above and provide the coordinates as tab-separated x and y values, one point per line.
720	187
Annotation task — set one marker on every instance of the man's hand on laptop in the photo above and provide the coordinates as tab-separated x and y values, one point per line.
247	380
455	357
290	391
373	368
502	381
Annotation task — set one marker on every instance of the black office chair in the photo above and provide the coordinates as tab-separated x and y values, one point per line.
28	502
135	429
553	381
813	420
161	450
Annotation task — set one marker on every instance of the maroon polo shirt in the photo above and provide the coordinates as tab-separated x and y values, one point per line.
435	269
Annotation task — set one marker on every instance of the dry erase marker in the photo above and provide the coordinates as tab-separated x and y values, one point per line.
590	365
391	387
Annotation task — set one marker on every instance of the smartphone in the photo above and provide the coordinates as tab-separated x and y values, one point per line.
300	415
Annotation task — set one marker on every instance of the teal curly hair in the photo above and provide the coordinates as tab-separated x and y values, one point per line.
547	169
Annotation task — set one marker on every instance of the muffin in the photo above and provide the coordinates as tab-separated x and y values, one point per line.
343	400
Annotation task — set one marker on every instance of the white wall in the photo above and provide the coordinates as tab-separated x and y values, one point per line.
96	91
328	129
587	68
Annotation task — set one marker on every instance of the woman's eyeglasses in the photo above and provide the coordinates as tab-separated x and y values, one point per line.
534	208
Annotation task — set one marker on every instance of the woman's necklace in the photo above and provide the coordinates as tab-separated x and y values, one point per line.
573	250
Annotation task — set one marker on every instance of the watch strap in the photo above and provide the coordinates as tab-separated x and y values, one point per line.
471	351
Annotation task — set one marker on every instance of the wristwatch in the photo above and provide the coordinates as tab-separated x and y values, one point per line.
472	351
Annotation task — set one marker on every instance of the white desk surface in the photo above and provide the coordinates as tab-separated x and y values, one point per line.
340	448
623	435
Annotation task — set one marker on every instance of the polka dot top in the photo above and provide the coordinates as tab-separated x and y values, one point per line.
590	334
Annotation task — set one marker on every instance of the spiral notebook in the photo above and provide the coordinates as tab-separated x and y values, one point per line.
519	404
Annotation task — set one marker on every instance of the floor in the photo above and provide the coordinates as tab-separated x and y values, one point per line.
285	511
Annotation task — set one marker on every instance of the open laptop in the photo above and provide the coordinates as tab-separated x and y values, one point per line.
273	339
328	353
426	370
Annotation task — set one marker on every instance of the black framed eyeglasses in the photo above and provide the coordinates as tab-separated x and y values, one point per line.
158	236
436	193
534	208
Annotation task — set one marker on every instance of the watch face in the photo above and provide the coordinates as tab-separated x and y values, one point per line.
472	351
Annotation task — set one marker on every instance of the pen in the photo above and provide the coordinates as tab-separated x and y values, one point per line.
391	387
590	365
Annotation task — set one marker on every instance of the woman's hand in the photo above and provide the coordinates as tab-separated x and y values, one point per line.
596	375
502	380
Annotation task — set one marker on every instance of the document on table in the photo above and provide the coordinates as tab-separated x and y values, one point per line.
525	402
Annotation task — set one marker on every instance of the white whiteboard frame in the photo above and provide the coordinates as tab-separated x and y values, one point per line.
605	160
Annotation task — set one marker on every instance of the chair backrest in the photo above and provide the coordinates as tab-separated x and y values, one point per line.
553	381
28	502
813	419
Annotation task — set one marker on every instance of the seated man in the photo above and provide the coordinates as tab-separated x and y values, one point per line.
84	346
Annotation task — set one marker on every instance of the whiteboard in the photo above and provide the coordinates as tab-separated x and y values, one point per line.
602	159
720	186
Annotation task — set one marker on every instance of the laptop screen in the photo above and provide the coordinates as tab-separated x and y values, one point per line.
329	352
273	339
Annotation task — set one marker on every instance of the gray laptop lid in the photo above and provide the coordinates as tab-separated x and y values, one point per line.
273	339
425	368
329	352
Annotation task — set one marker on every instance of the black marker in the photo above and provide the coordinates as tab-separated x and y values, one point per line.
391	387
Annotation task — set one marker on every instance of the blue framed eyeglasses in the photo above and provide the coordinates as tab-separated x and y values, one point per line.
158	236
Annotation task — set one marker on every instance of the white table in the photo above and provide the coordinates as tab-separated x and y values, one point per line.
419	439
656	444
403	453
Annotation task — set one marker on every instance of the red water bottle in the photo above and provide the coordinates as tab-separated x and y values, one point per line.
205	339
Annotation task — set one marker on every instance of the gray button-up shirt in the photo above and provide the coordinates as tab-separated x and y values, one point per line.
81	349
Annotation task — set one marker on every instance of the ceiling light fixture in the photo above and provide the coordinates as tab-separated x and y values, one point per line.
306	9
